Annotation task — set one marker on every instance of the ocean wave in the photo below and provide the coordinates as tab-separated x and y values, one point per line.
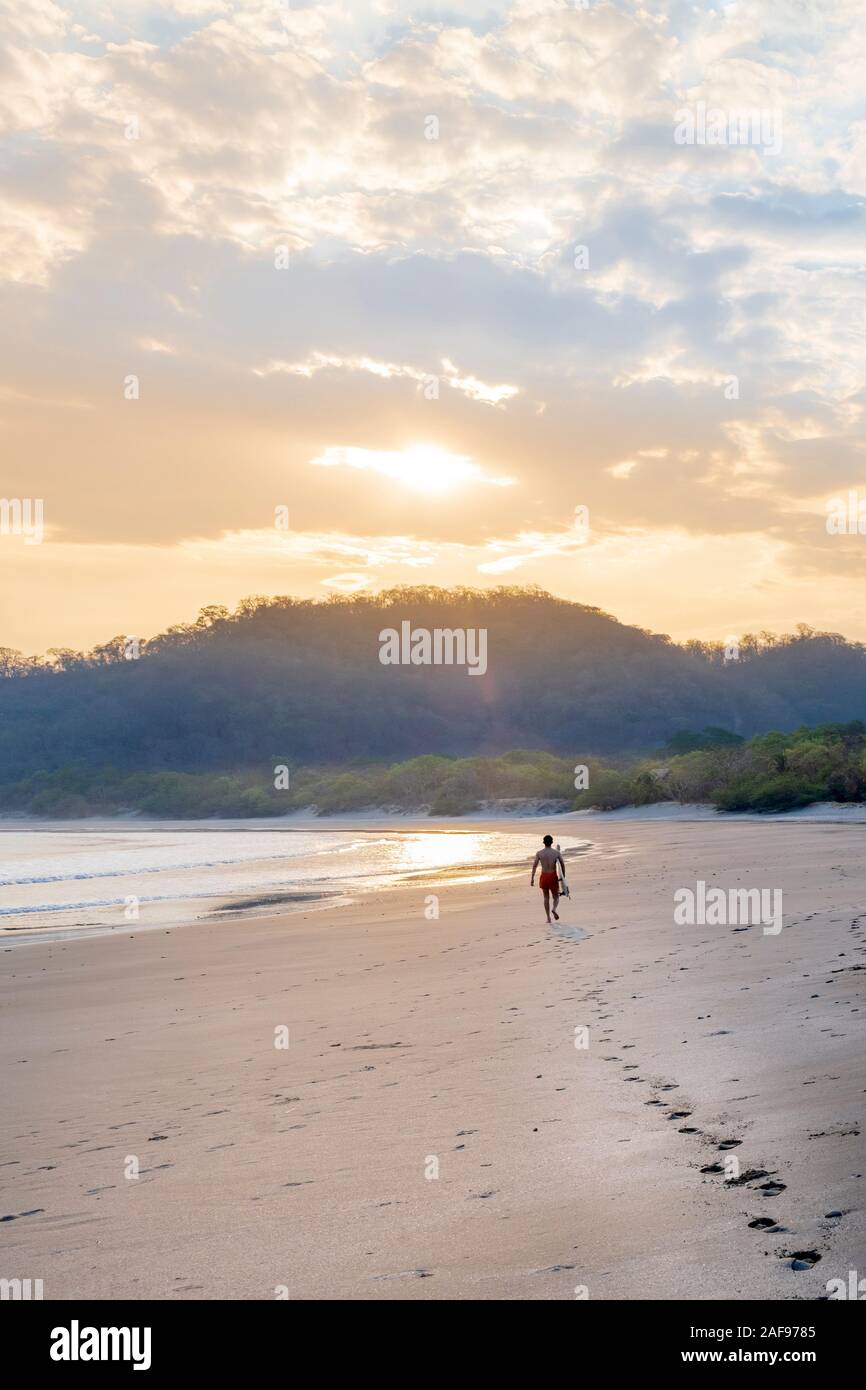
129	871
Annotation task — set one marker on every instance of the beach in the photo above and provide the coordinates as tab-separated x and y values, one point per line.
372	1101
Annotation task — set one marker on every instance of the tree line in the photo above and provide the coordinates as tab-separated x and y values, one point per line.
299	682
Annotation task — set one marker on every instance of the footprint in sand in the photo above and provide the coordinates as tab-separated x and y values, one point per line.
750	1175
802	1259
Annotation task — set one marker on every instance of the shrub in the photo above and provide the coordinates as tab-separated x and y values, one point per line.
780	793
607	791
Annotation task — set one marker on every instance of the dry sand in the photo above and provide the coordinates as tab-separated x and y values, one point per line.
414	1040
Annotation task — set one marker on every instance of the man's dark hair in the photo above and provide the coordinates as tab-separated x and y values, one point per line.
548	840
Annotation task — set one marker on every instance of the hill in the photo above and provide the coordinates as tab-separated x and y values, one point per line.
300	682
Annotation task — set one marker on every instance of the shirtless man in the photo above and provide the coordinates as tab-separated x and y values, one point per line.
548	859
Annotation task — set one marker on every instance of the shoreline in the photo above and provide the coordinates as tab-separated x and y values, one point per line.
818	812
454	1039
287	891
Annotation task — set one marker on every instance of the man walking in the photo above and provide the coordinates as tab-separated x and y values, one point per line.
548	859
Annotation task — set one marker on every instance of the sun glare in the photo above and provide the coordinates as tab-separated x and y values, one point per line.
429	469
421	467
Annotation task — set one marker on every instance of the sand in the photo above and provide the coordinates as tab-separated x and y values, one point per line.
447	1046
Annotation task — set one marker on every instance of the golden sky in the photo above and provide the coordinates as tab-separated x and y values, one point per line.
311	297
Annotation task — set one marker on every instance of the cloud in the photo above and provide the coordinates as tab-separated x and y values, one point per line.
471	386
489	201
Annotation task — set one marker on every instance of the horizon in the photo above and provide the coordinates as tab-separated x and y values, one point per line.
321	300
427	594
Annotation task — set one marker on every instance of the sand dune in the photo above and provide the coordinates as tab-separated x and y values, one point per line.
447	1046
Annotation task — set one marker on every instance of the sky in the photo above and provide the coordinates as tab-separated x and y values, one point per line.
321	298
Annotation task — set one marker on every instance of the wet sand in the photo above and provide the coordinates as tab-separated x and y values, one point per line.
431	1130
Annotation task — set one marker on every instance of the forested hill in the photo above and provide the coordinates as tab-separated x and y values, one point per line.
301	682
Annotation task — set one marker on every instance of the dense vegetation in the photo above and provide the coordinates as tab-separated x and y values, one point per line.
772	772
444	786
300	681
198	722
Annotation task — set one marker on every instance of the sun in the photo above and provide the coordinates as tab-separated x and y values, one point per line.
426	468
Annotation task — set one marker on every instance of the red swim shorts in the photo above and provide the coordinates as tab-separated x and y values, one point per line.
549	882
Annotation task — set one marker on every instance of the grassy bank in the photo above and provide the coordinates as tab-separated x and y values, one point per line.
773	772
445	786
